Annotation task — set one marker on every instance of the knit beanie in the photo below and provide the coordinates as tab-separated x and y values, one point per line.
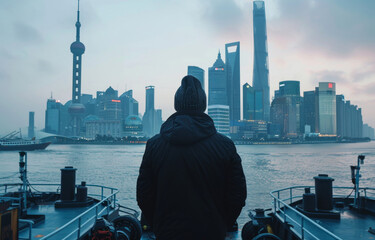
190	96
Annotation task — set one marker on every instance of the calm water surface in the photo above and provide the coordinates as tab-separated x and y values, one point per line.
267	167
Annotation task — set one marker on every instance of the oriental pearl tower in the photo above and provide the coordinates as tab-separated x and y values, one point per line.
76	109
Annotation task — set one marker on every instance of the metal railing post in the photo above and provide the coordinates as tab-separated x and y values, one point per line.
112	195
102	194
302	228
274	204
79	228
114	201
96	213
278	199
291	195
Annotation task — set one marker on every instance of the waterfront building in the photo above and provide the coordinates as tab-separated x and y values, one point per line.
31	130
99	127
220	116
198	73
248	101
249	129
340	115
286	109
348	120
52	117
129	105
133	126
217	83
76	109
260	69
148	119
309	113
232	61
368	131
327	108
109	108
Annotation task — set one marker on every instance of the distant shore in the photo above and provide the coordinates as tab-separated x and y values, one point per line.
237	142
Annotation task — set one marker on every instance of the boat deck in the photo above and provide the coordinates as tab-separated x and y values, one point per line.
54	219
351	225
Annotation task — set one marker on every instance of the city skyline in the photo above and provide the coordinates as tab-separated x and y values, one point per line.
118	52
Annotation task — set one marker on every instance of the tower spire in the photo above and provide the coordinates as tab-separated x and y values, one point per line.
78	25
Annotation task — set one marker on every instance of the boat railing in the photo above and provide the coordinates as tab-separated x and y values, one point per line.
75	228
304	227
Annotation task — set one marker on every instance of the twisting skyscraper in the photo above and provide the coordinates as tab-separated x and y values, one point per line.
232	60
260	71
76	109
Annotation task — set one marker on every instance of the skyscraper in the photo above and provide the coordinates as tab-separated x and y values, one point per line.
76	109
149	117
217	83
327	108
309	113
53	115
260	70
129	105
150	98
286	109
31	132
198	73
248	96
232	60
340	116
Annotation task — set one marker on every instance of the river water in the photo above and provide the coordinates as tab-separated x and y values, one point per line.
267	167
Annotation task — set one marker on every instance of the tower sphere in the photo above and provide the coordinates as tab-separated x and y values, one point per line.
76	109
77	48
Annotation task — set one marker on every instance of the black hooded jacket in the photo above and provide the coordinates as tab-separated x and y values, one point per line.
191	184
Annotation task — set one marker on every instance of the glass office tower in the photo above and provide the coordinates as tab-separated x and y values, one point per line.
232	60
260	70
327	108
217	83
198	73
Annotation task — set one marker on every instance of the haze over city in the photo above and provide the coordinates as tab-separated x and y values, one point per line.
132	44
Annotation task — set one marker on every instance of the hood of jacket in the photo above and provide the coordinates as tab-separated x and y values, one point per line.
187	128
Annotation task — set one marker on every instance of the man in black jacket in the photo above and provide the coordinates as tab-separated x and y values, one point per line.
191	184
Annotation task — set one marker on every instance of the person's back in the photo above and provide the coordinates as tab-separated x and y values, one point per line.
191	183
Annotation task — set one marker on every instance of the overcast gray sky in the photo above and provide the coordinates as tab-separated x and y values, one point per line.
134	43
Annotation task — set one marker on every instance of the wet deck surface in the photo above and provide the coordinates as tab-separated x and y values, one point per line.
352	225
55	218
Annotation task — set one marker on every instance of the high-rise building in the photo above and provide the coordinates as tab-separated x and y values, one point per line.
158	120
260	70
76	109
368	131
31	132
327	108
220	116
309	110
52	118
248	101
148	119
109	108
217	83
232	60
286	109
150	98
129	105
340	115
198	73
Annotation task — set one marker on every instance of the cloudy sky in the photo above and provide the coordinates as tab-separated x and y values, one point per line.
134	43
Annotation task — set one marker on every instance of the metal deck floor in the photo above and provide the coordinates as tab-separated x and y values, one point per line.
352	225
54	219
